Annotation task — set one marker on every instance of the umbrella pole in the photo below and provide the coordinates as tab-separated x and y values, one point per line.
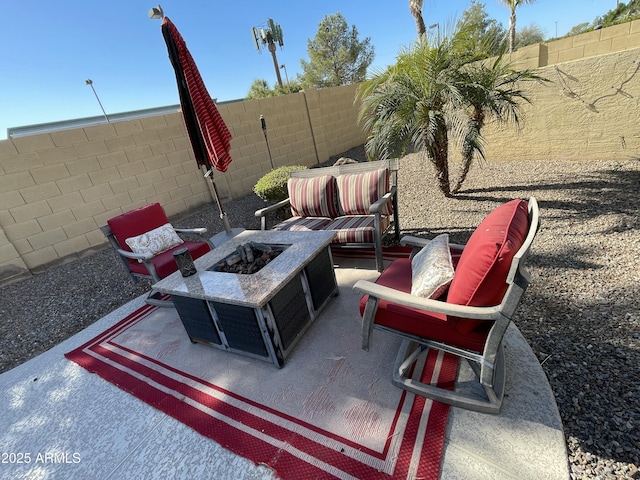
223	214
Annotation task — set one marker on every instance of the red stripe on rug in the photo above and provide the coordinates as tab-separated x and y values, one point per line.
438	417
256	437
231	438
203	422
258	423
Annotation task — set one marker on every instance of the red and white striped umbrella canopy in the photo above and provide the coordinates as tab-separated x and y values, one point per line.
209	135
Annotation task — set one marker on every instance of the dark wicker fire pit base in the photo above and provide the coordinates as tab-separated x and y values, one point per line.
262	315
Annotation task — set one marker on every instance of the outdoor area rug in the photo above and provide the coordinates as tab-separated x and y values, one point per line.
330	412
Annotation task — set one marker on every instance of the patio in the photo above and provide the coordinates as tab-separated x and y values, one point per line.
137	441
580	304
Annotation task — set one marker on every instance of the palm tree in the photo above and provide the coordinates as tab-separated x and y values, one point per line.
434	96
493	91
415	7
513	4
405	105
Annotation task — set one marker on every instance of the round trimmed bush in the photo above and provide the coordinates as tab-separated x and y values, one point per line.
272	187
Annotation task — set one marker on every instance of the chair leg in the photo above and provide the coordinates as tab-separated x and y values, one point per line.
377	240
396	223
379	260
368	317
410	352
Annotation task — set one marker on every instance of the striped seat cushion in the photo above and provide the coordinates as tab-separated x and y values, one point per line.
313	197
357	191
355	228
303	224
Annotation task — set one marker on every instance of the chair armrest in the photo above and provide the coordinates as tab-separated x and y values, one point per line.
418	243
145	257
426	304
375	207
198	231
457	247
263	211
411	241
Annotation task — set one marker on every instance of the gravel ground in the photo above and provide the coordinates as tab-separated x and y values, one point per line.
580	314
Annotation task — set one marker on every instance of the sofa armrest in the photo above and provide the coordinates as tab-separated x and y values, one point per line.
375	207
262	213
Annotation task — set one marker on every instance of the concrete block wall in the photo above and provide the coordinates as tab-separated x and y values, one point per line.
58	188
587	111
529	57
288	133
591	44
598	42
334	120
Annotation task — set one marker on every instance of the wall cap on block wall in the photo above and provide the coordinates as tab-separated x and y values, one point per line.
12	273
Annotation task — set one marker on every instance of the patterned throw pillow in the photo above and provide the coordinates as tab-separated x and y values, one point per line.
155	241
357	191
313	197
432	269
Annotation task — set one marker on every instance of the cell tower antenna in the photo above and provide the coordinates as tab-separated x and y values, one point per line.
268	35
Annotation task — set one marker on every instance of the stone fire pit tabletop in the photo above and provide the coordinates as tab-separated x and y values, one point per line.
254	289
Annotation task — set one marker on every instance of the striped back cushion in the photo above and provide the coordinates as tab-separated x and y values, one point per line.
313	197
357	191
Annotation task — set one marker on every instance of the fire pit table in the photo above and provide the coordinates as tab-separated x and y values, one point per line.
261	314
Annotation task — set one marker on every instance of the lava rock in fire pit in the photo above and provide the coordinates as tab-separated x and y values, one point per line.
249	258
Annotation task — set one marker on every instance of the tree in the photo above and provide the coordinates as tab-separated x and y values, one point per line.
621	14
491	91
434	98
260	89
415	7
479	34
529	35
336	56
513	4
578	29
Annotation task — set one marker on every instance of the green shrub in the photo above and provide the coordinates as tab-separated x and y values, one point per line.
272	187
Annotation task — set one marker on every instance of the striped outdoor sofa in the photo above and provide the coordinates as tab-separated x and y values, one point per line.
357	201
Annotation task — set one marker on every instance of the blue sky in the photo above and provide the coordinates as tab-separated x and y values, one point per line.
50	48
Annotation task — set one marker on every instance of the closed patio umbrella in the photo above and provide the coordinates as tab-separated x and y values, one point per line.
209	136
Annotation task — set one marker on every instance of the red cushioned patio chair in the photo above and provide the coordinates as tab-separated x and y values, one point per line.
145	241
469	320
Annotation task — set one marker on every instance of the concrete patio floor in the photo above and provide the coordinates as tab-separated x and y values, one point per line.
60	421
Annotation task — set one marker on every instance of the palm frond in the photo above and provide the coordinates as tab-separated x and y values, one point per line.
432	92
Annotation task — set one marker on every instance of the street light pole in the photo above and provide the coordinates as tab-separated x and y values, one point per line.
90	83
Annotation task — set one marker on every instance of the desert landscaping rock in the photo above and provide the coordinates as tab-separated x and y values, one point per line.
580	314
